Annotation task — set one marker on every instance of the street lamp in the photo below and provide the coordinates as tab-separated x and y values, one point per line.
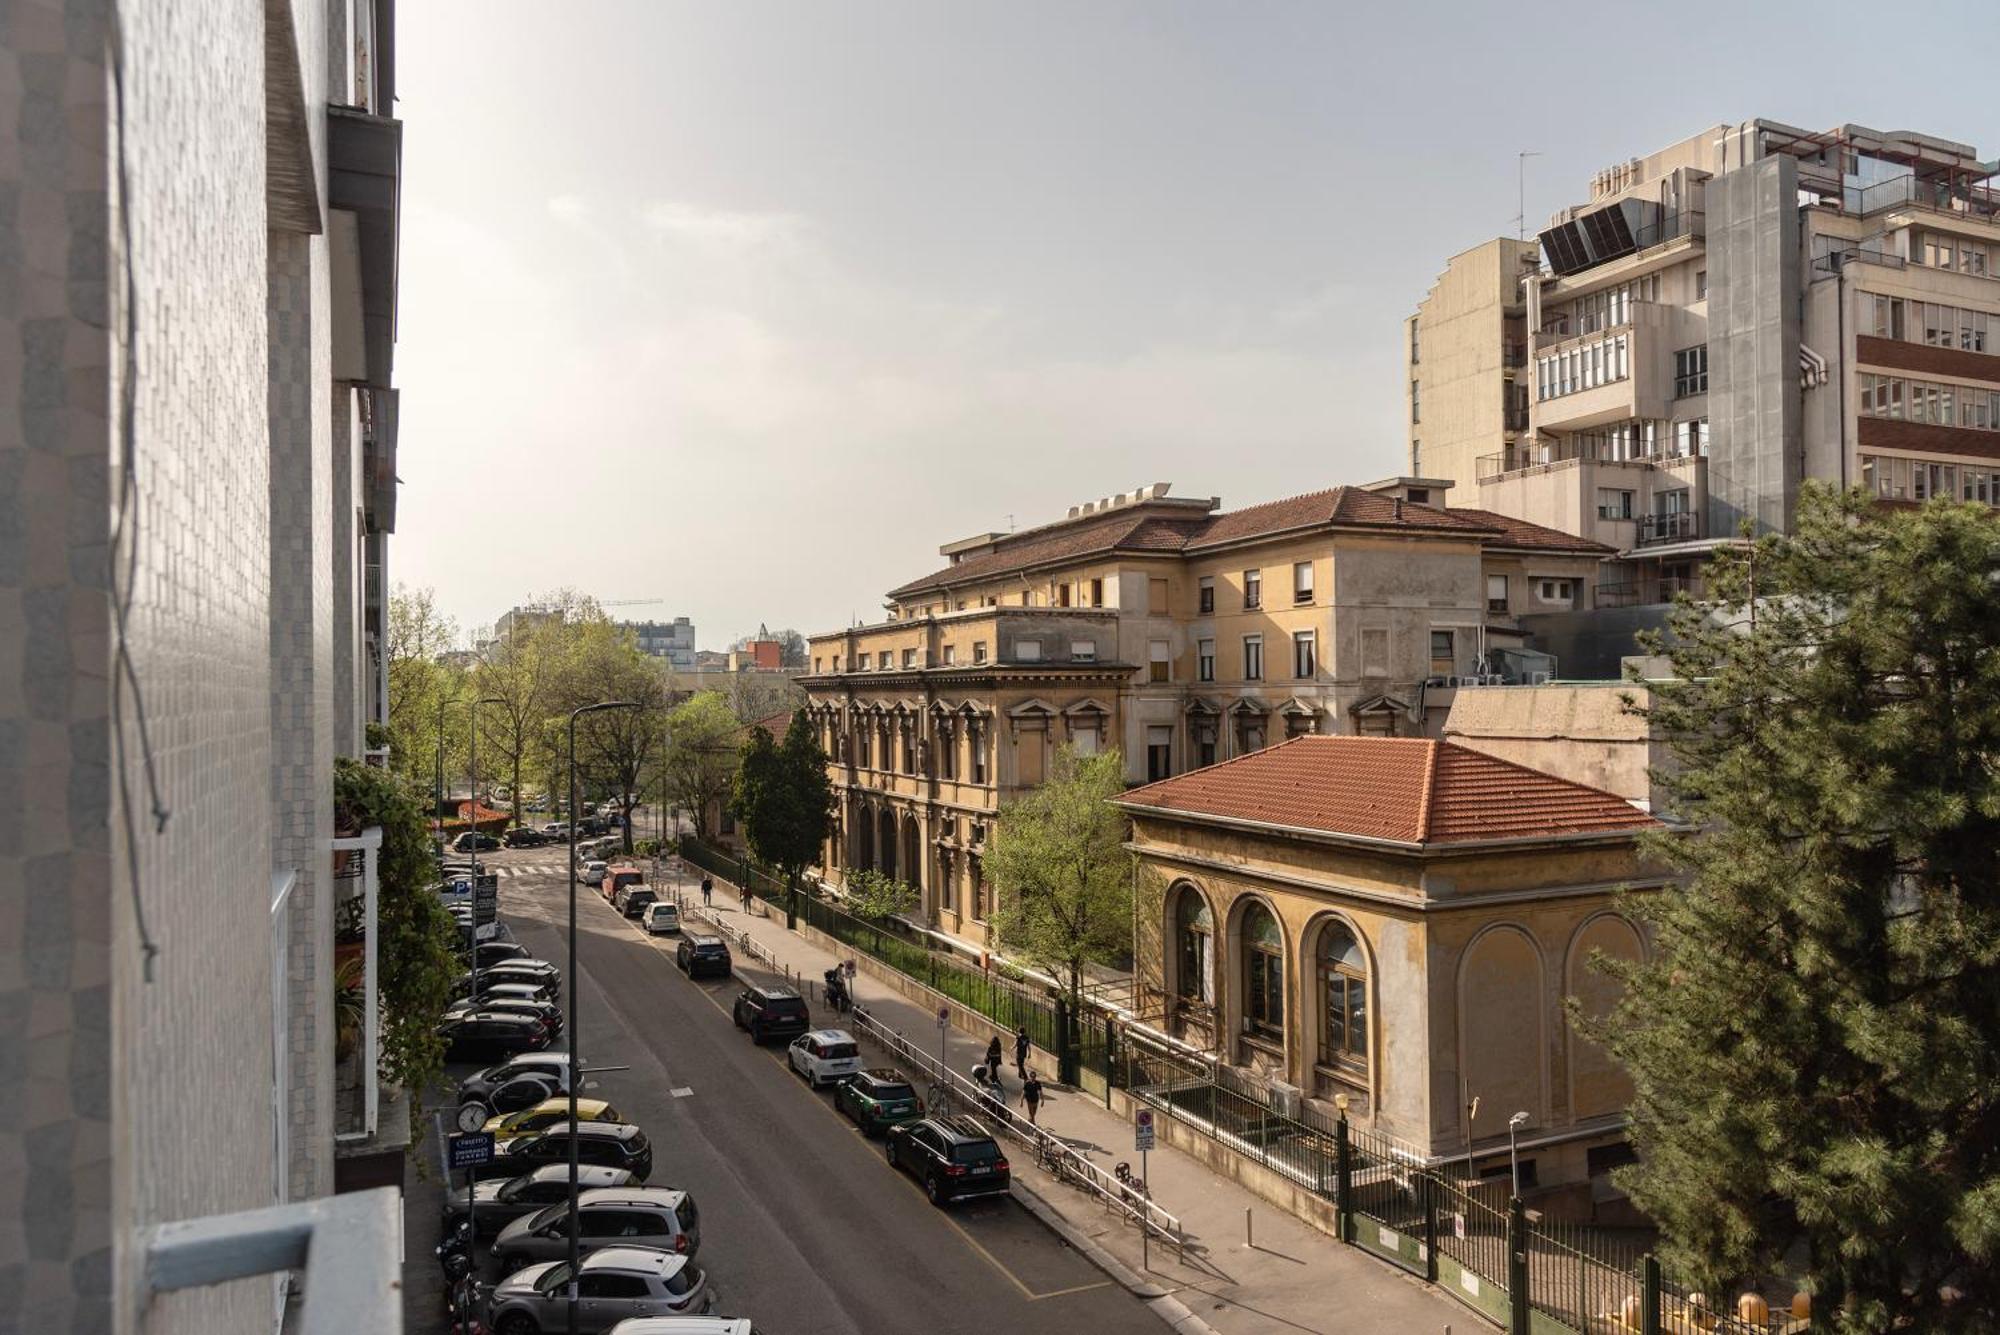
1514	1124
575	1034
474	822
437	808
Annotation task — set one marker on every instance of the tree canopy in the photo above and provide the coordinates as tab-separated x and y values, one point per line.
701	755
784	798
1815	1041
1060	870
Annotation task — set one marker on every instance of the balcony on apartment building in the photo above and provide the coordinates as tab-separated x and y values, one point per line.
1624	446
1643	592
1684	526
1944	194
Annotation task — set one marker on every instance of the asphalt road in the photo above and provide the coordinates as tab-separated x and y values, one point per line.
805	1229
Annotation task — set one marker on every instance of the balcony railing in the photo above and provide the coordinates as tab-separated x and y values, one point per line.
1973	201
1513	356
1565	324
1669	528
1653	593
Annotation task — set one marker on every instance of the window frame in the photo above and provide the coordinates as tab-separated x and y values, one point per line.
1253	657
1263	978
1331	975
1302	592
1253	589
1305	655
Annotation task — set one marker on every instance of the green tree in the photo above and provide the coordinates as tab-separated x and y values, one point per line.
871	894
784	799
1061	875
419	635
620	748
701	755
1815	1042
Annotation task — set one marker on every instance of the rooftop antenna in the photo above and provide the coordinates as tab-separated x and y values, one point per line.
1521	188
1010	523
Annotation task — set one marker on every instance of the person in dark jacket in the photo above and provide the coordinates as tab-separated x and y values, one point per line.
1021	1052
993	1056
1031	1096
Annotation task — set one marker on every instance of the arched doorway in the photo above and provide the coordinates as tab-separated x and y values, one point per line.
912	857
864	840
1191	959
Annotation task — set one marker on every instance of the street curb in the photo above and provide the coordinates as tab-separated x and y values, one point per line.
1158	1300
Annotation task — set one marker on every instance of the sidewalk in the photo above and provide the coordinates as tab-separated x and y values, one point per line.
1294	1279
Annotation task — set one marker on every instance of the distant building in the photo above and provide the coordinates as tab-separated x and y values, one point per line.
759	655
671	640
521	618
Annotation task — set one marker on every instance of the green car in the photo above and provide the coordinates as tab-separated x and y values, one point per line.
878	1100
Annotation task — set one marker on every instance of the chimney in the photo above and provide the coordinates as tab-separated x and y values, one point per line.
1399	517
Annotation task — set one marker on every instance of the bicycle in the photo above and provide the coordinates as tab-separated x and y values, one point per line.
1130	1182
938	1098
1055	1158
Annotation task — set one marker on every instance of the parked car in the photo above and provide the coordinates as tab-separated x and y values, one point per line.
619	878
608	1144
593	872
613	1284
684	1325
469	841
503	1200
637	900
878	1099
771	1011
539	993
557	830
699	953
547	1113
526	836
662	919
495	952
547	1012
520	969
825	1056
505	1087
952	1156
612	1217
476	1034
540	985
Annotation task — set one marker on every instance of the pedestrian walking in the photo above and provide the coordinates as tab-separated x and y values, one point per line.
1021	1052
993	1057
707	890
1031	1097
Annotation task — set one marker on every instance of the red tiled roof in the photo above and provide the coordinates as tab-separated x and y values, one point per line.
776	725
1520	533
1140	531
1411	790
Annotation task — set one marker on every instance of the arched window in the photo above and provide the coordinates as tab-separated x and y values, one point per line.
1194	945
1343	990
1263	974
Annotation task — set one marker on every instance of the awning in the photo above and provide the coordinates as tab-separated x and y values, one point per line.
364	167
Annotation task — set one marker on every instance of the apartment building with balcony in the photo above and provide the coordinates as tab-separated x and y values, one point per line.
1178	634
1744	310
199	486
1465	355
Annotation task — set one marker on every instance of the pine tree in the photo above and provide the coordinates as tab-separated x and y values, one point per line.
1815	1041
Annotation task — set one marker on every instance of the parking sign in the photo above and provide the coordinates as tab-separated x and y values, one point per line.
1142	1130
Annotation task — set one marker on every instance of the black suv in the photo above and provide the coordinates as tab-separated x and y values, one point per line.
526	836
698	954
606	1144
474	1035
465	843
771	1012
636	901
952	1156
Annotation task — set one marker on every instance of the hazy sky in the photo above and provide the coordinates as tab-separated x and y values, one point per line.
746	307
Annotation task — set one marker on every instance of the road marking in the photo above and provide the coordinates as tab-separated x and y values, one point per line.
681	1091
1064	1293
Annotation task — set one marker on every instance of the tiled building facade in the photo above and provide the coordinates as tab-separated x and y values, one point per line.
1174	632
165	995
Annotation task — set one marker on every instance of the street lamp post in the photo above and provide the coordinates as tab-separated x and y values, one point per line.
437	808
1514	1124
575	1033
474	822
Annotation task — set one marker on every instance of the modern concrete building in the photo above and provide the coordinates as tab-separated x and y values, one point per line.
1397	923
1465	353
1174	632
671	640
1727	317
197	481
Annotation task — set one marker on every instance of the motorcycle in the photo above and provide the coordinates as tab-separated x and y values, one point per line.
454	1255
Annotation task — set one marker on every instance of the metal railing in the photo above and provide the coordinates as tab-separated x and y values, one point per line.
1139	1210
1669	527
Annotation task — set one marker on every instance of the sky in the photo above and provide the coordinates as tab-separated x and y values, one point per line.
738	310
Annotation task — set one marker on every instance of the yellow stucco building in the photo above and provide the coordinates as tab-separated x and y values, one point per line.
1399	922
1169	629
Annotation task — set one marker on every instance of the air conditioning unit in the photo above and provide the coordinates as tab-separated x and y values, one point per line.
1435	682
1540	678
1285	1099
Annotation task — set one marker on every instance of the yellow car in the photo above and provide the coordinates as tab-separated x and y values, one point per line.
548	1113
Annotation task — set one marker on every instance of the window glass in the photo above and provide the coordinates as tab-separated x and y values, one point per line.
1264	972
1253	588
1205	660
1207	594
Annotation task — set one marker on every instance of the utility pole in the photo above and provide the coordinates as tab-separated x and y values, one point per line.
1521	191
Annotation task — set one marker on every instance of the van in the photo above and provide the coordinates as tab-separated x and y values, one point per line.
618	878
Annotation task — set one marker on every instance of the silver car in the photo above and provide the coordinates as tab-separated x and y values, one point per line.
612	1285
659	1217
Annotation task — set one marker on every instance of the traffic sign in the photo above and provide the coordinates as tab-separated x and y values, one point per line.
944	1017
471	1151
1142	1130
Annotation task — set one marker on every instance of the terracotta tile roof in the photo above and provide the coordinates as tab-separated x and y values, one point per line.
1337	505
1520	533
1408	789
776	725
1140	531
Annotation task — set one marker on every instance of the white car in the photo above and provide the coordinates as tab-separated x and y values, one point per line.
663	919
593	872
684	1325
825	1056
615	1283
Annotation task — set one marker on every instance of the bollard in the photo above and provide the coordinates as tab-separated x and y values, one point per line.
1249	1237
